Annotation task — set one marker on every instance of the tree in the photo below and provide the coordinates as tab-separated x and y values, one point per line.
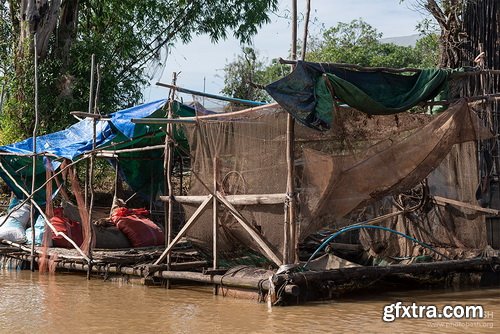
359	43
125	35
448	15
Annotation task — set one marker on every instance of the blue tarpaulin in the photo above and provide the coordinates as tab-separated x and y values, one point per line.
74	141
77	139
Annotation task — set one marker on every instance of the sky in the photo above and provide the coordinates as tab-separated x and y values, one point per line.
200	62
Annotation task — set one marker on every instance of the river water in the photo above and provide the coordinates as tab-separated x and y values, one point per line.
67	303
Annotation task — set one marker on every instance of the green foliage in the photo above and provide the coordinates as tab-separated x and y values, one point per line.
358	43
427	49
127	37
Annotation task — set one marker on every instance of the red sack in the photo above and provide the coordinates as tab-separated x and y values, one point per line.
141	232
124	212
72	229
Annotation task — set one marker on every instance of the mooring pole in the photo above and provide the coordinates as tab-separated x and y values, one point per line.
290	136
92	162
91	98
33	176
214	246
167	165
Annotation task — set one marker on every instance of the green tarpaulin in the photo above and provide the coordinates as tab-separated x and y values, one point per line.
309	91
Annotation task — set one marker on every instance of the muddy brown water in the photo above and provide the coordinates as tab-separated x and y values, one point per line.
67	303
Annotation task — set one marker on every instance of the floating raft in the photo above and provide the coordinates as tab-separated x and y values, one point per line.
288	286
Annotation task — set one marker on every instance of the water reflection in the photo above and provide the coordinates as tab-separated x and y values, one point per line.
65	303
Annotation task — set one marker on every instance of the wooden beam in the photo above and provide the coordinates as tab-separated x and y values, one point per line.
248	199
159	120
184	229
359	68
249	228
444	201
214	220
204	117
212	96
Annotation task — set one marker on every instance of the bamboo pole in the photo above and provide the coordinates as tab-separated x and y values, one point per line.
444	201
33	176
212	96
204	117
184	230
290	156
91	92
214	214
306	30
286	231
246	199
91	190
454	75
168	207
357	67
91	100
130	150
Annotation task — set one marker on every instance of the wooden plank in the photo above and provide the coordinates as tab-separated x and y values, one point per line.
184	229
233	199
443	201
256	236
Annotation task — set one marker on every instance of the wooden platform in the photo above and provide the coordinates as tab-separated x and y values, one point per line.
291	286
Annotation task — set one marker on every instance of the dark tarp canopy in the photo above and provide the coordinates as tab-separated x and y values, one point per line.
143	171
306	93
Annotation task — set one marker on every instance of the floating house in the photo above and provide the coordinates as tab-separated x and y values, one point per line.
385	178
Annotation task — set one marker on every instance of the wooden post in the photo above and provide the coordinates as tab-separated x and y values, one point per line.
91	98
91	167
91	190
286	232
290	135
168	207
33	176
306	30
214	237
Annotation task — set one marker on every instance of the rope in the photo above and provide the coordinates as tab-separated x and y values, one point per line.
349	228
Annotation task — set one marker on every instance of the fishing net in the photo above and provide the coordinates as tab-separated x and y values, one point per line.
454	231
338	184
249	151
337	177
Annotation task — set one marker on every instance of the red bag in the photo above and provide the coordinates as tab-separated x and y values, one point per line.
72	229
124	212
141	232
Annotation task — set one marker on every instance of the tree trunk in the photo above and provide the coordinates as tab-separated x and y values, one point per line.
67	31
